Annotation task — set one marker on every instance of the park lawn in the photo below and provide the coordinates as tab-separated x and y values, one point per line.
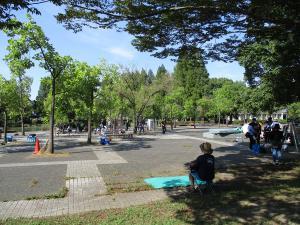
253	195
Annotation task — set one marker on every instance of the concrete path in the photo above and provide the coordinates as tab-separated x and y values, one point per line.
87	190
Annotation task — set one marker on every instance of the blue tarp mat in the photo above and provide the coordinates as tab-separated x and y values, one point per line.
167	182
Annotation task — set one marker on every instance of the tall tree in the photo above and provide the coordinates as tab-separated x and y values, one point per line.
227	99
82	84
150	76
18	62
161	73
190	74
49	60
8	91
132	88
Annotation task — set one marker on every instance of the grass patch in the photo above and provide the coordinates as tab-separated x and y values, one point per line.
139	185
249	195
61	194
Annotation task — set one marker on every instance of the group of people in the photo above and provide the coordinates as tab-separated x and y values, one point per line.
272	135
203	167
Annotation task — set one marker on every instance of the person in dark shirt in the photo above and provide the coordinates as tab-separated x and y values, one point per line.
276	138
203	168
268	129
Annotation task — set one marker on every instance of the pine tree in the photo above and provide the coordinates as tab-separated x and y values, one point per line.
161	72
191	75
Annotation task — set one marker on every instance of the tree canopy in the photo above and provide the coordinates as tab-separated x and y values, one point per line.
219	29
8	10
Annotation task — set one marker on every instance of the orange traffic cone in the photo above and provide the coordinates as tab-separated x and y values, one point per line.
37	146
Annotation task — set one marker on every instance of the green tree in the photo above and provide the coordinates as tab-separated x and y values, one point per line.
227	99
109	102
83	84
190	74
161	73
204	105
217	28
294	110
150	76
139	96
174	102
44	90
49	60
266	63
8	91
214	84
18	62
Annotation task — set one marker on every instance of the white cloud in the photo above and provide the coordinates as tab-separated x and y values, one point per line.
122	52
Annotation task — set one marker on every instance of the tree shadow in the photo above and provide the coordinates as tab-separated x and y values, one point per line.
252	195
133	145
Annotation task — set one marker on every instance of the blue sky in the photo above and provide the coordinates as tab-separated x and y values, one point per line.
92	45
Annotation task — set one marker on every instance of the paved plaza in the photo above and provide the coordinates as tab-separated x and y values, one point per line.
91	172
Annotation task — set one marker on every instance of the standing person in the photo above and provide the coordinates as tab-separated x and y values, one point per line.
203	168
163	127
276	138
104	122
257	129
268	129
127	125
251	133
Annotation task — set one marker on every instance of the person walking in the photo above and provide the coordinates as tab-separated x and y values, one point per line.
276	138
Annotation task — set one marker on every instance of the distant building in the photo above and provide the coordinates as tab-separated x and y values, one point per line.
281	114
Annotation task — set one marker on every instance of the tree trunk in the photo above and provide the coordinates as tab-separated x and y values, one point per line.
51	137
21	104
219	119
172	121
195	120
89	139
135	122
22	124
22	112
5	127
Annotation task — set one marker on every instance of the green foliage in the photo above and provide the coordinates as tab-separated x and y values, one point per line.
7	94
263	35
225	99
214	84
294	110
266	63
191	75
161	72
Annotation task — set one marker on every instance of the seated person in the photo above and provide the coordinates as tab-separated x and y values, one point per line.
203	168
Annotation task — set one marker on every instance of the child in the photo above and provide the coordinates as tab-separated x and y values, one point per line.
276	138
203	168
